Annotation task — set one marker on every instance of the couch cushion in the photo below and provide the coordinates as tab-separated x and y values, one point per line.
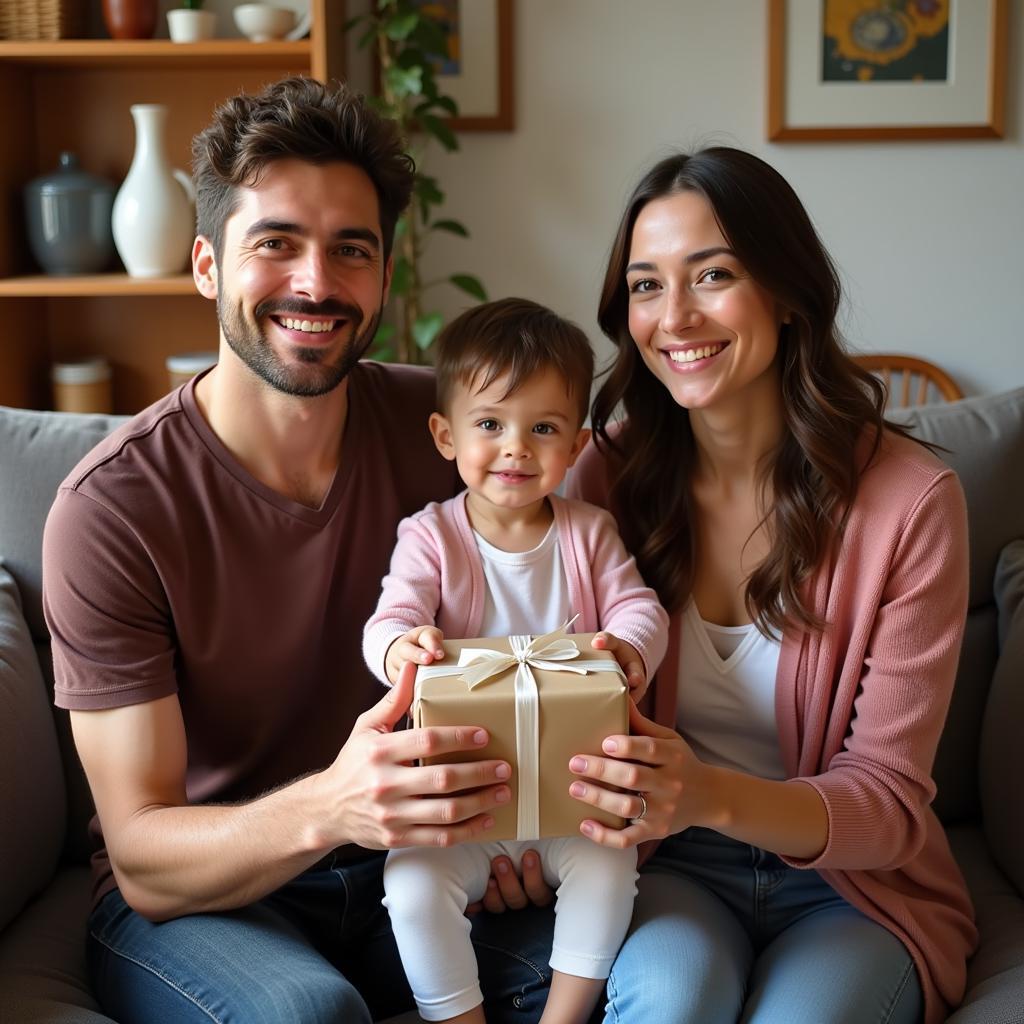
995	974
985	438
1000	759
956	762
37	450
32	797
43	974
985	441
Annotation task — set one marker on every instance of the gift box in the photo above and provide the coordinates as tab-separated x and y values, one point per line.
542	700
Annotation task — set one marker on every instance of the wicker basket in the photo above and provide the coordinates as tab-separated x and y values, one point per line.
42	19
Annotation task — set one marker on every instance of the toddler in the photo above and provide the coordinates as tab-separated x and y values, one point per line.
509	556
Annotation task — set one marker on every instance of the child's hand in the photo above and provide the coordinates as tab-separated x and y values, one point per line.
628	658
421	646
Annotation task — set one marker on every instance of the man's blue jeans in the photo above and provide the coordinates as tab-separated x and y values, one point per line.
724	932
317	950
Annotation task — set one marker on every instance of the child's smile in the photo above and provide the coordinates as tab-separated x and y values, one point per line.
512	450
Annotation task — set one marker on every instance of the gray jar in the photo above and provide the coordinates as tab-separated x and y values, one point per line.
68	219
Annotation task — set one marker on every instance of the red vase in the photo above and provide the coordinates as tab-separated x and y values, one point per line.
130	19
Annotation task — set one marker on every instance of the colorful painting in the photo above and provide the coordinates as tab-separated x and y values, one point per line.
446	14
885	41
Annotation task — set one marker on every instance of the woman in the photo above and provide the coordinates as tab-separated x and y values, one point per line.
814	560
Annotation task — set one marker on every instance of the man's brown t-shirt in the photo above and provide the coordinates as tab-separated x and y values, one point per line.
169	569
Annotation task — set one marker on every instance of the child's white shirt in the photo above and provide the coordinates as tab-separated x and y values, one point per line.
524	587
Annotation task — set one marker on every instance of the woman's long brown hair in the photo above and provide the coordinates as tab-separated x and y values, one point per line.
829	402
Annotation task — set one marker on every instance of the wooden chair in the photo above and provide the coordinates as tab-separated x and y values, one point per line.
909	369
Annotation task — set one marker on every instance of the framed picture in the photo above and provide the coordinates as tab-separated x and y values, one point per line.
478	73
886	69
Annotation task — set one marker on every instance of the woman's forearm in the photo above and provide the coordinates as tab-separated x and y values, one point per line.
786	817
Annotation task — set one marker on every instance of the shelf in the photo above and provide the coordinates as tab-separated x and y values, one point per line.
110	54
89	285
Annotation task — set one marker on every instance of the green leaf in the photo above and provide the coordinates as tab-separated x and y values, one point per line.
470	285
448	104
405	81
427	191
400	27
431	39
401	278
411	57
452	226
367	38
440	131
426	329
385	332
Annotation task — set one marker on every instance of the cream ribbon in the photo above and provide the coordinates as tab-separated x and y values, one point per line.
549	652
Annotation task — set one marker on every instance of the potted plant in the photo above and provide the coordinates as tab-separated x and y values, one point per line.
408	42
190	23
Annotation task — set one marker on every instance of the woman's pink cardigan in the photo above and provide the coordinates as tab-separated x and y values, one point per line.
437	577
860	707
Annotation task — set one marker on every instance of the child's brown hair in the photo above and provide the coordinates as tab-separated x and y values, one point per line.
515	337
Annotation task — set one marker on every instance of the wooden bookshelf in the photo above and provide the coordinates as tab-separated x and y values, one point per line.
46	286
75	94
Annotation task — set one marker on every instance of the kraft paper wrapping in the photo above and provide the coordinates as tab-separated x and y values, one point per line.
575	711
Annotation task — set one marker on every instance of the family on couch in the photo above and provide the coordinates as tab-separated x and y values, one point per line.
210	566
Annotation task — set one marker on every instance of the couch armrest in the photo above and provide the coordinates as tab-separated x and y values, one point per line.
32	796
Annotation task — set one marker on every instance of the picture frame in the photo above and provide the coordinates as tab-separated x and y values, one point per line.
965	99
484	84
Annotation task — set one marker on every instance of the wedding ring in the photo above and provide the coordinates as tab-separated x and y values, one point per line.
643	810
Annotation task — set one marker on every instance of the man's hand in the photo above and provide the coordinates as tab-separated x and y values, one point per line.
507	891
380	799
421	646
628	658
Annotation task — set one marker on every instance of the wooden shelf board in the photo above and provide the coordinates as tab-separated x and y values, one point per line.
109	54
90	285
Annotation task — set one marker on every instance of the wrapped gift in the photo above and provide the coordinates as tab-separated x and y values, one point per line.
542	700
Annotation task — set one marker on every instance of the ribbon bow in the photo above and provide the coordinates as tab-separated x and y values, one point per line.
544	652
550	652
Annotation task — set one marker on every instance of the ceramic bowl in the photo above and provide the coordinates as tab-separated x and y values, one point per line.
262	22
188	26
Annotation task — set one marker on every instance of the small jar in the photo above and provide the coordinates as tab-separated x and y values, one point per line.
182	368
82	386
68	214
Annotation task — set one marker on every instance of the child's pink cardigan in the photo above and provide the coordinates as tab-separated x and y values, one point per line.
436	576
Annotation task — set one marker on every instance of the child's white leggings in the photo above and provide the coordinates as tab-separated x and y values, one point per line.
427	891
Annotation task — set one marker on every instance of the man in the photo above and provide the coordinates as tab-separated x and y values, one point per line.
207	573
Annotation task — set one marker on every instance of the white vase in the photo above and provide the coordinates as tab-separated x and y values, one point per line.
153	218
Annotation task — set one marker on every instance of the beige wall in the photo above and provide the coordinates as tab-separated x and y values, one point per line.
928	236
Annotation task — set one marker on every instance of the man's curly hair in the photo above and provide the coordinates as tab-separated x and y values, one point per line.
303	119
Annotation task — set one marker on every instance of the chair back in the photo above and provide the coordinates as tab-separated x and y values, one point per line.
919	382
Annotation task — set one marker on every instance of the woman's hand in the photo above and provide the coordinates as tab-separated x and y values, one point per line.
666	787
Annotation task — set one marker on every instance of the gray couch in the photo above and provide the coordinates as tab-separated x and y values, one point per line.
44	803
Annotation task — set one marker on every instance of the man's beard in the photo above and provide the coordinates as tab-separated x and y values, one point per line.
314	376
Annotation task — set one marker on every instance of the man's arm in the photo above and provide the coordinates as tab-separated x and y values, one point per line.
171	859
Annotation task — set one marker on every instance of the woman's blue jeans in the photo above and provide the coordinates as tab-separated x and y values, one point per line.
724	932
317	950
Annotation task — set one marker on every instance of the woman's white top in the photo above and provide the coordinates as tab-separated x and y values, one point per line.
726	695
524	588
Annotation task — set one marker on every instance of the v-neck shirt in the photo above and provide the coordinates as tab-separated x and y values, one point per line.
726	695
